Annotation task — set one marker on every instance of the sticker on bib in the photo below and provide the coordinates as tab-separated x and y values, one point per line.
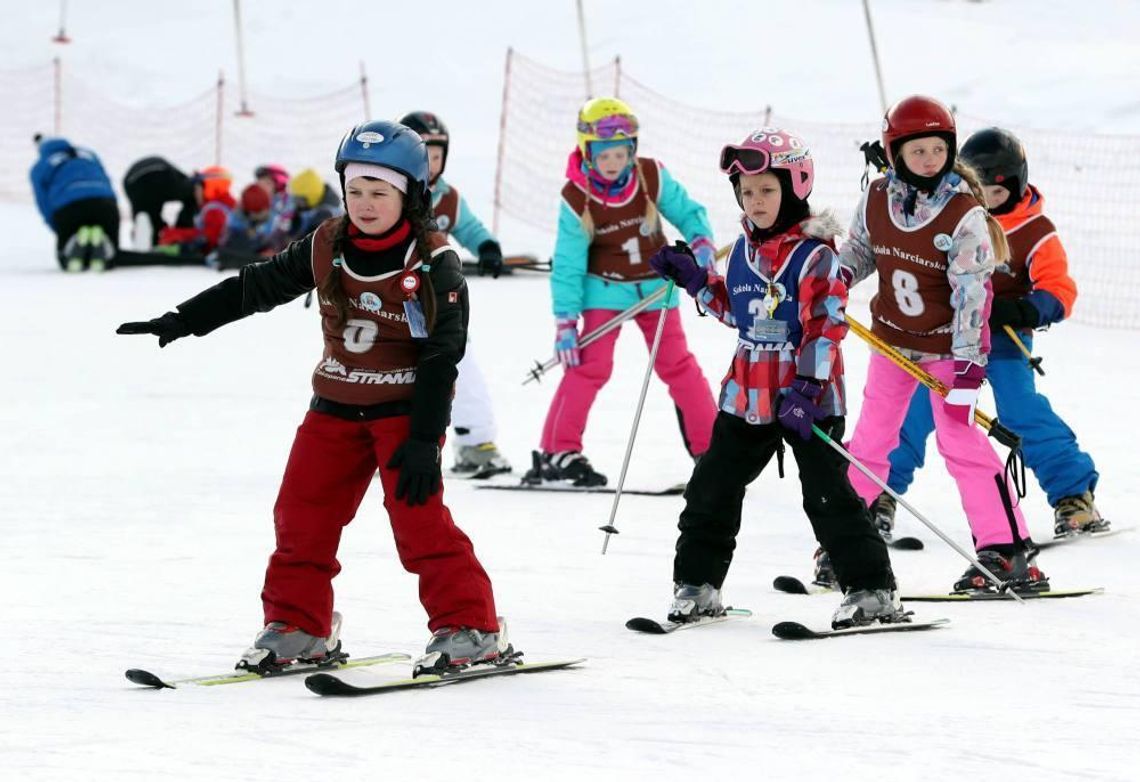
943	242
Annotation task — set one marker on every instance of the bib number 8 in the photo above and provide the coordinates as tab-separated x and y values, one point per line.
907	295
360	335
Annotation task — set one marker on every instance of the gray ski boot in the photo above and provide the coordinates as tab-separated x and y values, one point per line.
74	251
100	251
280	644
690	602
869	606
479	461
453	649
1076	515
883	515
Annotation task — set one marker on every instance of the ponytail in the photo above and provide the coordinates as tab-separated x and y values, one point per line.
330	288
997	233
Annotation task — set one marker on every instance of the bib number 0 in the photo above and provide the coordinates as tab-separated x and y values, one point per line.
360	335
907	295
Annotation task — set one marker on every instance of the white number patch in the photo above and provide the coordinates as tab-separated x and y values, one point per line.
632	248
906	293
360	335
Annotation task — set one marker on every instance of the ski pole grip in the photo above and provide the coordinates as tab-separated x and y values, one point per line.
1004	435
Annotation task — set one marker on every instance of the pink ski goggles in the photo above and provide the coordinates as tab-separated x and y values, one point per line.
610	127
744	160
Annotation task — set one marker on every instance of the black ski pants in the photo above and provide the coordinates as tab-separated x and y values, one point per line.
738	453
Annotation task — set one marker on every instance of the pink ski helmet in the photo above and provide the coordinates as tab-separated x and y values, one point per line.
771	148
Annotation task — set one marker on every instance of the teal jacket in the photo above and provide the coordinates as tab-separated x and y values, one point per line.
573	290
465	227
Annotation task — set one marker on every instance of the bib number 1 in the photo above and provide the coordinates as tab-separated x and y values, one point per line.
632	248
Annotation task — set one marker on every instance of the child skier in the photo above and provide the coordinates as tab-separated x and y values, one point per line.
212	193
1033	291
609	224
75	199
925	231
393	306
313	202
782	292
472	415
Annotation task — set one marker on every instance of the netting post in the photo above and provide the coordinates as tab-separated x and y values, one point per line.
767	115
218	114
244	111
502	142
57	96
364	92
617	76
61	36
585	51
875	55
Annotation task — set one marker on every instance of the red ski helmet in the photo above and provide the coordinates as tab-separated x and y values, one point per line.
913	117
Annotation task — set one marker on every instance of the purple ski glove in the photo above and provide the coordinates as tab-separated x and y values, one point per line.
566	341
963	396
799	408
676	262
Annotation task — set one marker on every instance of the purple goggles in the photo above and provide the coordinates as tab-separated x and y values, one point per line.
610	127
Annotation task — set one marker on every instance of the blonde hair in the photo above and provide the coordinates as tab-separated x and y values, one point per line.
652	216
997	233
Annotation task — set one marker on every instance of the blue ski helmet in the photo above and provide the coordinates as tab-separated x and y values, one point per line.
385	143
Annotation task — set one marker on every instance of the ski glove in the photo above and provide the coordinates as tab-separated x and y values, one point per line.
963	396
677	263
490	259
1015	313
418	463
168	328
799	408
566	341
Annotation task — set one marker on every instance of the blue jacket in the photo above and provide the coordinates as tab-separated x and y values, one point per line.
467	230
573	291
65	174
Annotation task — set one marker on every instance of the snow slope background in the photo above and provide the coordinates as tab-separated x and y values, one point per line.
138	484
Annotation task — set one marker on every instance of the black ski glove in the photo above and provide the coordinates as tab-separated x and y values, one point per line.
418	462
490	258
1015	313
168	328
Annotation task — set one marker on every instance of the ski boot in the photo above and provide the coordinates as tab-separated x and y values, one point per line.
883	515
479	461
862	607
454	649
563	466
1019	574
100	251
280	645
824	572
1077	515
690	602
74	251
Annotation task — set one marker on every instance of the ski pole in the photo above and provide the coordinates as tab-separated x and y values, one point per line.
996	429
609	528
929	524
611	324
1034	361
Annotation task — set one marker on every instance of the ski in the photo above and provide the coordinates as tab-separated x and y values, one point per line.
906	544
478	475
1065	539
148	679
964	597
793	586
566	488
511	263
641	624
328	684
794	631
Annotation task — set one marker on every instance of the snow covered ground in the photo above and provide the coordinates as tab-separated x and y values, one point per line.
136	485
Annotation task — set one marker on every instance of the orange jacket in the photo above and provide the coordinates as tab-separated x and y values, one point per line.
1052	291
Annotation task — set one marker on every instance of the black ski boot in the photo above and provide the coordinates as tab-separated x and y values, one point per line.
1021	575
883	515
824	572
569	466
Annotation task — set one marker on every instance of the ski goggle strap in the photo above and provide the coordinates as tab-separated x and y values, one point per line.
610	127
744	160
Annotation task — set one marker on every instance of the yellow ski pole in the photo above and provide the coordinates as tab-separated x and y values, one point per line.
1034	361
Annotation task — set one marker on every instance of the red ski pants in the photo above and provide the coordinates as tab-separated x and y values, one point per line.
330	468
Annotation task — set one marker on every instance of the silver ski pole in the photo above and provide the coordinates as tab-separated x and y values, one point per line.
541	369
929	524
609	528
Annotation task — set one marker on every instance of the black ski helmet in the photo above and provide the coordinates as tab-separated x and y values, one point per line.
431	130
999	158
